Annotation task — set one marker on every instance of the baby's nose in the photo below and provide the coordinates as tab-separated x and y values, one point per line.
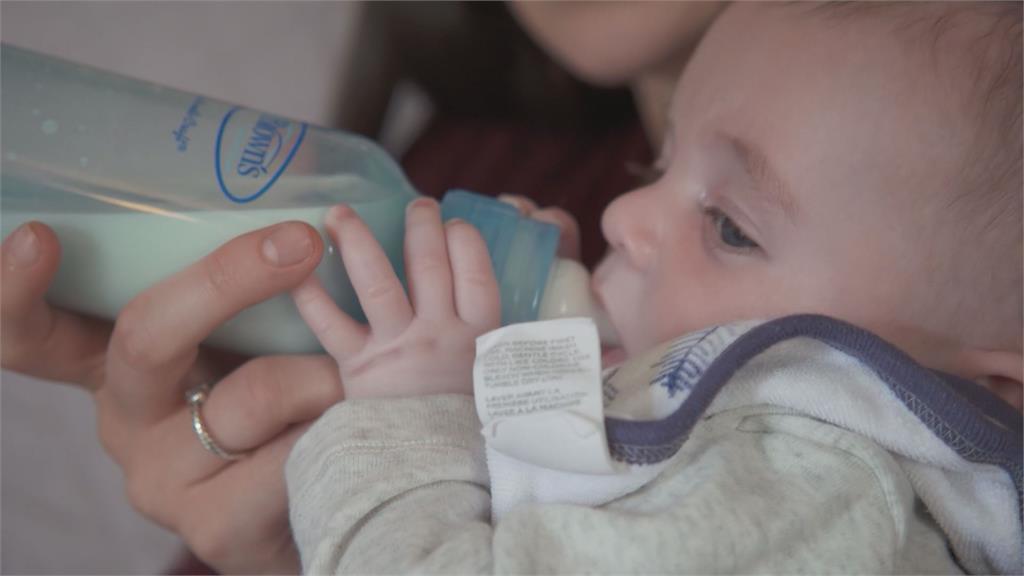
630	225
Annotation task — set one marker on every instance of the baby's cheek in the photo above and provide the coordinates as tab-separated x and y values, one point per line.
675	315
641	332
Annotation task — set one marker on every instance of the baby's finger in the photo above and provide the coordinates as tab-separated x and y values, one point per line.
569	239
380	293
426	261
39	340
525	206
477	300
338	333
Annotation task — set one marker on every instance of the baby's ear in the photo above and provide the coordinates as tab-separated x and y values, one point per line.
999	371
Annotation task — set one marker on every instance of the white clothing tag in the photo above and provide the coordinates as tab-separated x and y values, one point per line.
538	394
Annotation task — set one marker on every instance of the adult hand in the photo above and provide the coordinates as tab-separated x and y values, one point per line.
232	514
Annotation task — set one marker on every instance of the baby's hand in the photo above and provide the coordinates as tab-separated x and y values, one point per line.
409	349
568	240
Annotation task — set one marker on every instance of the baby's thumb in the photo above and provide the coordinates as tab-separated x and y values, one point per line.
569	241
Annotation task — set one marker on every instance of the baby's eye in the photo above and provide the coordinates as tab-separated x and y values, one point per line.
730	234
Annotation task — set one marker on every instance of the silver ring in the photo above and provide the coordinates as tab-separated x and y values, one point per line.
195	397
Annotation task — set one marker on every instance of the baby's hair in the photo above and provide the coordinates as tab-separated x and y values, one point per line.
987	198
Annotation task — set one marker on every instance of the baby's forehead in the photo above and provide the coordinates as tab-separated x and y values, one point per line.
793	84
954	66
973	45
975	49
956	36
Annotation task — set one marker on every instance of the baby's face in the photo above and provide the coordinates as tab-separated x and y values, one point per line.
797	178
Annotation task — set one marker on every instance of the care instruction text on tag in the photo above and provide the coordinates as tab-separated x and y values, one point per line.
537	387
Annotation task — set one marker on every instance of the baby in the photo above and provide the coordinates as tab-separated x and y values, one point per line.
858	162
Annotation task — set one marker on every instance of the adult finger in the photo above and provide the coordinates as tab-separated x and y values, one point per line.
477	300
569	239
157	335
246	410
237	520
426	260
267	395
373	277
37	339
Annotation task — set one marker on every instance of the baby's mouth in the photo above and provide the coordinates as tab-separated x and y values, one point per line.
612	352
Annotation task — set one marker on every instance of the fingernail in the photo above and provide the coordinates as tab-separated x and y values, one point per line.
421	203
515	202
289	244
339	213
24	248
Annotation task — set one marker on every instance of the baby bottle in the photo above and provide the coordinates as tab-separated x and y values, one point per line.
139	181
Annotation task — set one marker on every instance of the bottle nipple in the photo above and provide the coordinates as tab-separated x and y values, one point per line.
568	294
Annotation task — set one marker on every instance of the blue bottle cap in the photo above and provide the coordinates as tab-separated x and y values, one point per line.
522	249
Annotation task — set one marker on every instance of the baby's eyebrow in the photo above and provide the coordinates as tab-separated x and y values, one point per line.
767	180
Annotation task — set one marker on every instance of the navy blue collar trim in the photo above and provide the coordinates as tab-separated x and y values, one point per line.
979	426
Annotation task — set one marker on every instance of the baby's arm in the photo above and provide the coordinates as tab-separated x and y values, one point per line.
402	486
